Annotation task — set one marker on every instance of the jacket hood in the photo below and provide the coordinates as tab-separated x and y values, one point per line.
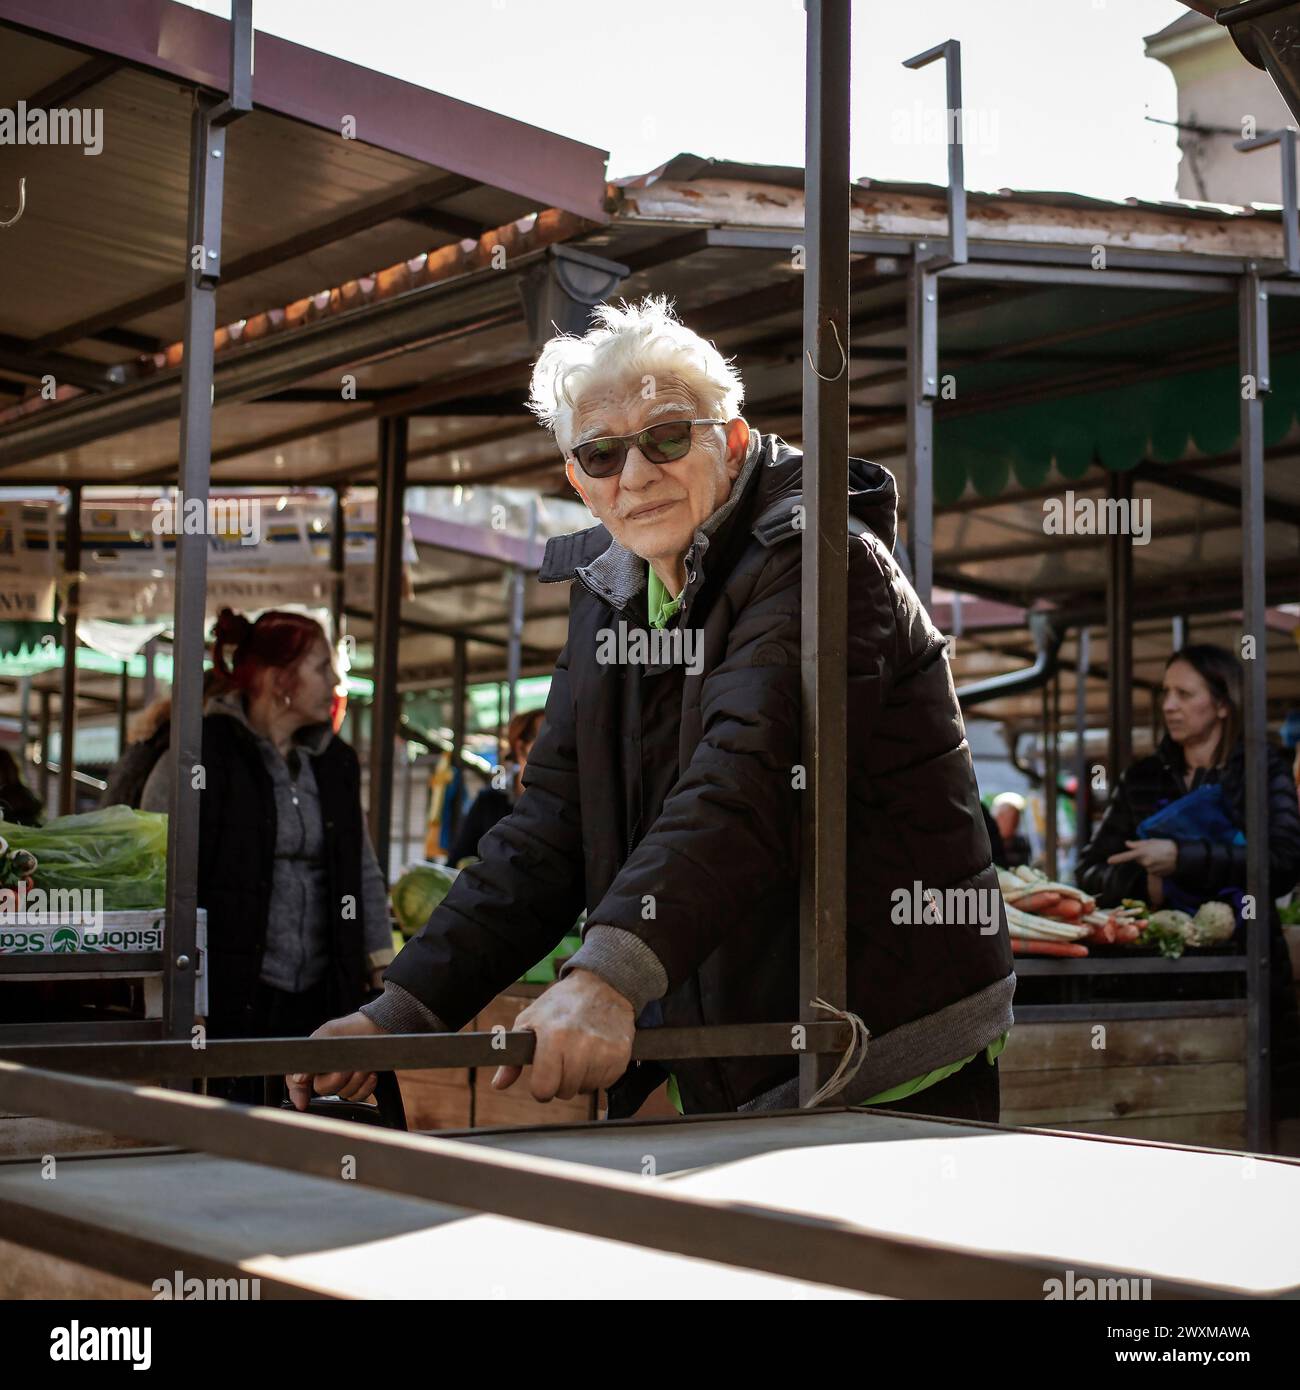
873	495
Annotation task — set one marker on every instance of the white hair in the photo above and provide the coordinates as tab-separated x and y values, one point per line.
630	343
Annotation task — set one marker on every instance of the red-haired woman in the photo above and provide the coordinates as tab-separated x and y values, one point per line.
298	927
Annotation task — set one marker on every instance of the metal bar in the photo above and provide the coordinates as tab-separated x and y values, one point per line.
203	258
390	508
1104	1012
922	390
102	963
458	694
123	706
1254	625
824	660
1139	965
25	721
864	244
548	1193
68	682
1051	754
1091	279
950	52
149	687
1285	140
402	1052
1119	628
1083	770
338	560
44	735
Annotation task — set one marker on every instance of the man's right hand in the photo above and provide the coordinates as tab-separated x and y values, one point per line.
350	1085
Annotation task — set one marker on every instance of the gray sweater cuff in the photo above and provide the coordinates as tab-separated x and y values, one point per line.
622	960
399	1011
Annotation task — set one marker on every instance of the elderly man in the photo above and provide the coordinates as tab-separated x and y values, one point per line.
664	791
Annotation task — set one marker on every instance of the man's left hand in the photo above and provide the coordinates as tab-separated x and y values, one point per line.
584	1033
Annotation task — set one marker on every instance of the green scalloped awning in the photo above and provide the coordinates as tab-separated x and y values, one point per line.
1118	427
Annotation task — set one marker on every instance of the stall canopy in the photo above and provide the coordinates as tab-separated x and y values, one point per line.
1050	390
345	191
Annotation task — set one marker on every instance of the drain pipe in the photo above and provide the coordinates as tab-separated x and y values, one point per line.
1048	637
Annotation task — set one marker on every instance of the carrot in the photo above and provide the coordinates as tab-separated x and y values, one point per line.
1067	910
1038	903
1020	947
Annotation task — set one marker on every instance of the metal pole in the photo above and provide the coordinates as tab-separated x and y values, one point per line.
1178	634
922	389
45	746
68	685
123	706
25	715
1083	773
1049	781
390	508
1253	330
458	689
338	561
824	663
514	651
203	261
1119	626
149	690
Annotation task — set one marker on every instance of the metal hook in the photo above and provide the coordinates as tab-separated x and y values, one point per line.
22	204
844	360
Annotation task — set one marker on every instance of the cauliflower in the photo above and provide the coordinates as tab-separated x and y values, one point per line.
1213	924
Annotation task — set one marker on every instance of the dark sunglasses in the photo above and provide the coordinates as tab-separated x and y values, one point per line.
666	443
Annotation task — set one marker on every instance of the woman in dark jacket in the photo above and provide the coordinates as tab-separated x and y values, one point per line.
297	908
1201	705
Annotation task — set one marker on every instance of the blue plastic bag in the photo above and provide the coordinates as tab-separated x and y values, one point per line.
1200	815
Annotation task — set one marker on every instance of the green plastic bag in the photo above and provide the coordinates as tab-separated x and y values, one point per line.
118	849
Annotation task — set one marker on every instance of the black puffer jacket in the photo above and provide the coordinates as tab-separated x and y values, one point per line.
720	860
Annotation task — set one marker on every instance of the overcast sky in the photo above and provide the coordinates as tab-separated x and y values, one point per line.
1056	91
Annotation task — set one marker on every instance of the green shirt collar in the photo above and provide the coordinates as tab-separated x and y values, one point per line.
658	604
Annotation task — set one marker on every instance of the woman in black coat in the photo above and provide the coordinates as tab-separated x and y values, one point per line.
1202	745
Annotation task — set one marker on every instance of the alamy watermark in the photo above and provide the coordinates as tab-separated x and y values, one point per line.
34	907
179	1288
1087	1289
937	125
63	126
956	907
218	516
636	646
1098	516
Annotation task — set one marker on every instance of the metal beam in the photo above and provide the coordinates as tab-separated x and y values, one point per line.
68	684
389	533
548	1193
1253	337
203	256
824	660
178	1060
1119	627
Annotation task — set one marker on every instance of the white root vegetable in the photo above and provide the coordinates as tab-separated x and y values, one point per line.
1047	929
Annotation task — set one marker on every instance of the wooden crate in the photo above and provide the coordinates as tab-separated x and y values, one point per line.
464	1099
1180	1080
